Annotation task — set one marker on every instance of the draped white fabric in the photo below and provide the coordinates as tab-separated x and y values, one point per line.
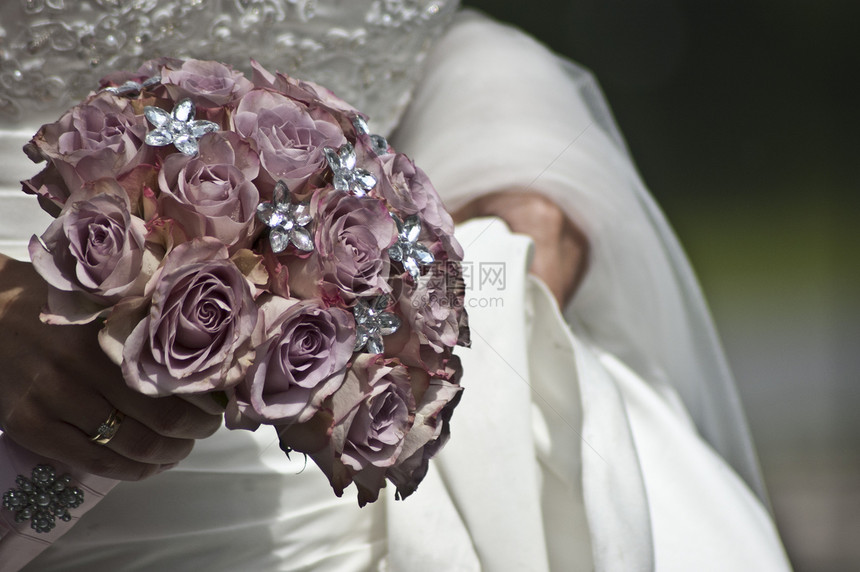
611	442
496	110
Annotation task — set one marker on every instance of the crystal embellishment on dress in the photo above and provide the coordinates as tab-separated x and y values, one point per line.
407	250
367	51
179	127
286	221
372	322
43	498
347	176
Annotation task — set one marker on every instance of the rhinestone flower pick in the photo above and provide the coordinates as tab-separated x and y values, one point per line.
43	498
378	143
286	221
407	250
347	177
133	88
372	322
179	127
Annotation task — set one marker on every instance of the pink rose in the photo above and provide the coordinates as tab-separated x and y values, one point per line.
324	97
434	307
301	362
92	255
211	193
307	92
430	430
101	138
289	137
386	421
207	83
197	336
352	235
372	414
50	189
409	191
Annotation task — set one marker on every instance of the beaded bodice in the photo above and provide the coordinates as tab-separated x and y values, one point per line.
52	52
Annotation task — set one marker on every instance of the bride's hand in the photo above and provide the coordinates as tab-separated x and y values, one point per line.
57	387
561	249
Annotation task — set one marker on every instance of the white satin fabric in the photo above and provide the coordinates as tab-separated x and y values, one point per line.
496	110
576	446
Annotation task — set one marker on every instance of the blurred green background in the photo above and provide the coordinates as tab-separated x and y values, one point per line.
743	119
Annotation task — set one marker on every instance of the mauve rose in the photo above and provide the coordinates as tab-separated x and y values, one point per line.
351	237
372	414
92	255
430	429
197	336
307	92
288	136
211	193
326	437
325	97
409	191
434	306
301	362
100	138
207	83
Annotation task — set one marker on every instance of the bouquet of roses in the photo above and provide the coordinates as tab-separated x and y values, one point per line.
251	240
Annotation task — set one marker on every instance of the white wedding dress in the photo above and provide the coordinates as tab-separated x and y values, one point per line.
609	438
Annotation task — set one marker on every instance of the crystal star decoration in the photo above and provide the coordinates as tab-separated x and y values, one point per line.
407	250
43	498
346	176
132	87
286	221
179	127
378	143
372	322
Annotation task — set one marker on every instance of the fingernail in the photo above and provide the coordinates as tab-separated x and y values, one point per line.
167	467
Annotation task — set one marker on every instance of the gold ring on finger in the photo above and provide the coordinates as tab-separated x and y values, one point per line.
109	428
